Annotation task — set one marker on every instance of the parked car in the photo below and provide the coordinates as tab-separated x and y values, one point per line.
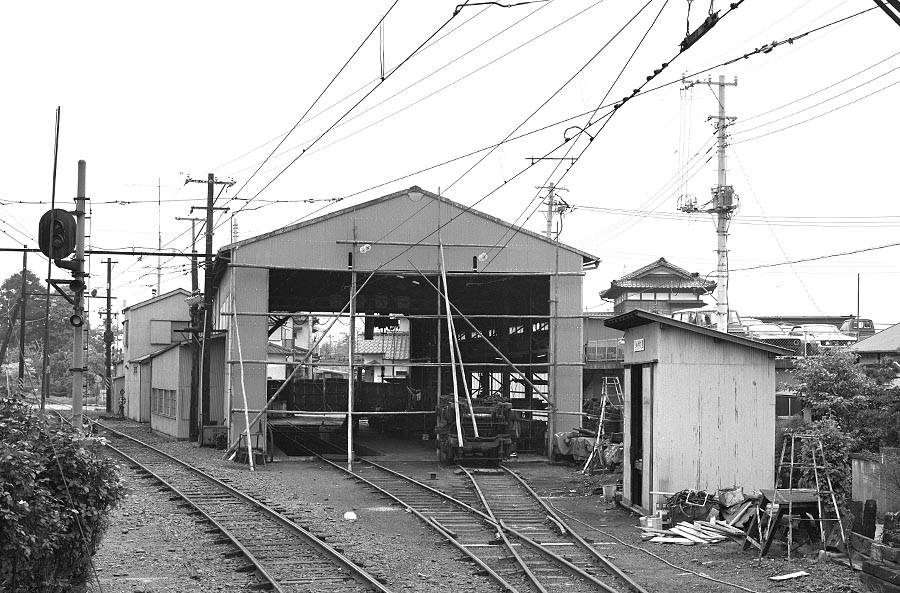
776	335
861	328
707	316
821	337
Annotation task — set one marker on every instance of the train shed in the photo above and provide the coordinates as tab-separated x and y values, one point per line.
514	299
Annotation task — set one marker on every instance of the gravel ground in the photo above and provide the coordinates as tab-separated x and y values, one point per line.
153	545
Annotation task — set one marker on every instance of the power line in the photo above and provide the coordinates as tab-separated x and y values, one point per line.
830	111
313	104
346	113
342	100
448	85
818	257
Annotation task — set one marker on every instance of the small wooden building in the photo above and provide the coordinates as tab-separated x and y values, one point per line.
699	409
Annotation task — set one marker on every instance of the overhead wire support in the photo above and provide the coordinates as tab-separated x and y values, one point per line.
724	201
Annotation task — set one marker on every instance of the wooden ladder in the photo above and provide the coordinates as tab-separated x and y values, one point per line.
794	457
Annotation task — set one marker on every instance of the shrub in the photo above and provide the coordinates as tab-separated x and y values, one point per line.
836	446
55	496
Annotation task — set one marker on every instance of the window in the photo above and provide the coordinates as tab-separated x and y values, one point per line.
125	333
162	402
160	332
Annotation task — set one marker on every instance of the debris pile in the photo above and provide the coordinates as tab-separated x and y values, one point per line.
689	534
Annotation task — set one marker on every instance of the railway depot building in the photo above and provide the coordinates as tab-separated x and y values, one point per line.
398	264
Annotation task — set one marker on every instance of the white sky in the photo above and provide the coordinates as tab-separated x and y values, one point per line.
150	93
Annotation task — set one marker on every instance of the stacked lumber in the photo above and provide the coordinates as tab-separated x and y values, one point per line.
690	534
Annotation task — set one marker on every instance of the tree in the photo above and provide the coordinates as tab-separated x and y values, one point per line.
61	332
862	402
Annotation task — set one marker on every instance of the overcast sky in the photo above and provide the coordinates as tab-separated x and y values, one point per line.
152	93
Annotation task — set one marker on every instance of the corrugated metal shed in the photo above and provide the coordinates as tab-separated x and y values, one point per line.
495	268
699	408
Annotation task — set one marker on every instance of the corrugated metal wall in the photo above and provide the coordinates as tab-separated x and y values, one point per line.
401	220
217	381
708	410
569	345
247	341
164	374
714	415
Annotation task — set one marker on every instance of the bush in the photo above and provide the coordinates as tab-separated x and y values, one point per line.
55	496
836	446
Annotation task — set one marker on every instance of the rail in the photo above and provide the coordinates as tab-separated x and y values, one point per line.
243	520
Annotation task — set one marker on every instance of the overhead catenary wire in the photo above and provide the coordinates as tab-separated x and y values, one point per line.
583	129
346	113
316	100
449	84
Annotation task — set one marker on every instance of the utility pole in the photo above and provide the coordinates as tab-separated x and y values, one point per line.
555	205
207	291
195	330
108	336
78	328
22	324
723	203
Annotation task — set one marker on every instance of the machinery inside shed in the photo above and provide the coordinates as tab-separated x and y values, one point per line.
501	325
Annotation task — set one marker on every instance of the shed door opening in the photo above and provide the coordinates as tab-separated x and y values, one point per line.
637	433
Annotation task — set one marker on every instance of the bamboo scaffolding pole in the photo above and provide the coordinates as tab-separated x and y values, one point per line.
391	272
404	315
494	348
454	344
237	335
459	432
287	380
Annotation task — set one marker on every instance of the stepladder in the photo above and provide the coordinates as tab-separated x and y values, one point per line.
803	497
611	410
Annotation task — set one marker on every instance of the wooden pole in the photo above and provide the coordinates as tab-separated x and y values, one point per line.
459	433
351	378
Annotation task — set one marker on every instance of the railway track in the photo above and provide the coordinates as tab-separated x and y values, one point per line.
498	522
286	557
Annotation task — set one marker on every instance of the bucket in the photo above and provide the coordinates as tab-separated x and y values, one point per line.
609	492
654	522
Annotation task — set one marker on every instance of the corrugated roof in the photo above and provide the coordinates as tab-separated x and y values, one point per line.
636	318
887	340
393	345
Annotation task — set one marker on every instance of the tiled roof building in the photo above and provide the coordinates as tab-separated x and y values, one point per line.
659	287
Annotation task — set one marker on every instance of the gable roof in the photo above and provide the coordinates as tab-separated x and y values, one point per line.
224	251
158	298
642	278
637	318
887	340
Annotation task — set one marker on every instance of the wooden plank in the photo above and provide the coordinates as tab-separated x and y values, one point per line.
672	540
793	575
699	532
740	513
685	533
